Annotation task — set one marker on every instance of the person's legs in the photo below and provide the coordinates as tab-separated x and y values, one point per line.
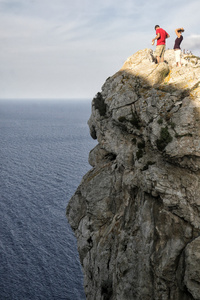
159	53
178	58
162	53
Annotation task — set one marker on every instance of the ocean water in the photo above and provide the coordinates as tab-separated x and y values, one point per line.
43	156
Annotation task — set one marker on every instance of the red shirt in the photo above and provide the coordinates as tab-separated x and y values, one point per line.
163	35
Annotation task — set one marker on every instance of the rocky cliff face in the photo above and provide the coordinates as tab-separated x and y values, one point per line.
136	214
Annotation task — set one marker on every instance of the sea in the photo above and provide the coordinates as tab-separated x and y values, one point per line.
44	148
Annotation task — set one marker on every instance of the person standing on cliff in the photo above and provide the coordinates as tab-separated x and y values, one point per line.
177	48
161	36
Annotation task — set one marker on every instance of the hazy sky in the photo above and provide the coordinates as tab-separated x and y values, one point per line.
68	48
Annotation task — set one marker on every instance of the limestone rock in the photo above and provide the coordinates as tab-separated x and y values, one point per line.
136	213
192	270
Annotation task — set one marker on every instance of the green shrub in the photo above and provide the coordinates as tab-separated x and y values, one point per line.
100	104
135	121
160	121
172	124
164	140
139	154
141	145
134	140
149	163
122	119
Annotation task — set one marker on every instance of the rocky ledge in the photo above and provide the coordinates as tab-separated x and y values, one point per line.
136	213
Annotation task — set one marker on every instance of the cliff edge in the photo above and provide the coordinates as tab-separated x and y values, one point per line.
136	214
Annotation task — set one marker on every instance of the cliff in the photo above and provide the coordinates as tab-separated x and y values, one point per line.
136	214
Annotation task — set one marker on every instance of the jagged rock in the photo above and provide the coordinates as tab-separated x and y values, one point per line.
192	270
136	214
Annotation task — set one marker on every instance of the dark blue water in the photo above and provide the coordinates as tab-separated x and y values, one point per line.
43	156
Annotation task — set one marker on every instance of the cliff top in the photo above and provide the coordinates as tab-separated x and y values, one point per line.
158	103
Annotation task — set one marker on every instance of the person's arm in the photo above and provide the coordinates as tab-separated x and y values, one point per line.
157	37
178	33
167	36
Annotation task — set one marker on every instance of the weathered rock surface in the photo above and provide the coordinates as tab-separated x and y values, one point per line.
136	214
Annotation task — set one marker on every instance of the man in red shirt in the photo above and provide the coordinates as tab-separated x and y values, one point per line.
161	36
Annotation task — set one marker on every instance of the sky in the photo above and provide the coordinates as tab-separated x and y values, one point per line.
66	49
